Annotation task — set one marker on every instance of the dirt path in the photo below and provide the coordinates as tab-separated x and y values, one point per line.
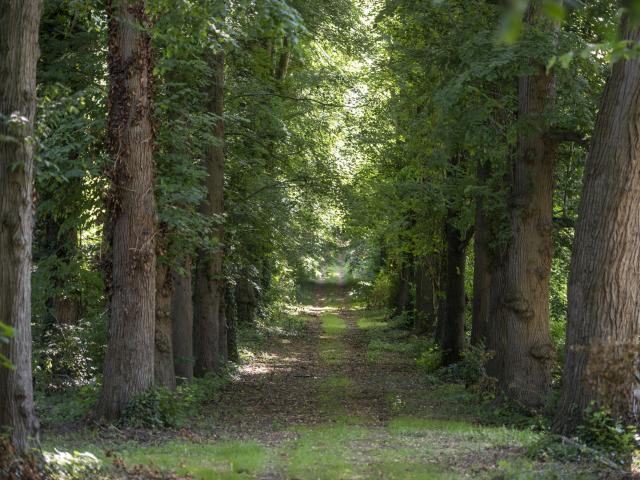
343	399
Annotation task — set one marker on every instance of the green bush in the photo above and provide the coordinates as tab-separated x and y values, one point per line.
160	407
472	371
156	408
430	359
602	431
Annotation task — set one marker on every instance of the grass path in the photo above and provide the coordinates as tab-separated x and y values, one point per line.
344	400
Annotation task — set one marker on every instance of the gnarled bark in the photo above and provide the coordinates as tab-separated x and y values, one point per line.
19	21
128	367
522	309
604	287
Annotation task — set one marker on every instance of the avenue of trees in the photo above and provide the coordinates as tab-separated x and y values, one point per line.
170	170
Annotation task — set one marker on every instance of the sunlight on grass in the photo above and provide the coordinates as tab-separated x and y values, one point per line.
227	460
407	470
464	431
373	321
332	324
326	453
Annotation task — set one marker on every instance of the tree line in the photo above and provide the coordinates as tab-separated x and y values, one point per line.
158	175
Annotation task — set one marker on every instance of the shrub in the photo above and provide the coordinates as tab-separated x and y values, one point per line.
472	371
602	431
156	408
160	407
430	359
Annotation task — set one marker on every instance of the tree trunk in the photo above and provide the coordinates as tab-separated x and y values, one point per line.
441	300
223	331
128	368
232	324
163	369
453	331
402	298
19	22
602	332
424	321
182	322
208	323
246	300
481	266
523	307
283	61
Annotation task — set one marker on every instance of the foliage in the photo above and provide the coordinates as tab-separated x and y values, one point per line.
160	407
430	360
471	370
19	467
602	431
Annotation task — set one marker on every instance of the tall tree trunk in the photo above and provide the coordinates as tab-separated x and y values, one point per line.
453	328
601	360
424	321
223	331
481	266
128	368
402	302
208	323
246	300
19	22
441	299
182	321
231	315
523	308
164	372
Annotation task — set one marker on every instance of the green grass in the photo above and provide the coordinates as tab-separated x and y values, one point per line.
331	347
326	453
225	460
332	324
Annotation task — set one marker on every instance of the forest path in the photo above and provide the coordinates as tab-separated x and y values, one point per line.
345	400
333	393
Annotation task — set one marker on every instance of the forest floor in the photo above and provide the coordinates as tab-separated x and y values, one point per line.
336	396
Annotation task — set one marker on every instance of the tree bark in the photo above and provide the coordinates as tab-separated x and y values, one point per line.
19	23
441	299
402	298
164	372
481	267
223	330
232	324
453	332
424	321
182	321
523	307
601	360
209	326
129	365
246	300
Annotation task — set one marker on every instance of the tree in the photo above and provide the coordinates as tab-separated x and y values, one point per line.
601	360
19	23
129	361
209	323
182	321
521	305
